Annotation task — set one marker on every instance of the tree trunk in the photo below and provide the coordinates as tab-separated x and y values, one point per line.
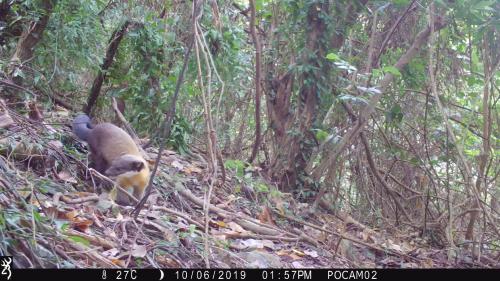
295	148
236	149
29	38
348	19
485	150
114	42
258	67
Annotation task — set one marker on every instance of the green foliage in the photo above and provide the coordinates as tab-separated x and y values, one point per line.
62	225
321	135
236	165
36	216
2	221
261	187
138	80
332	57
392	70
353	99
179	135
415	73
400	3
394	115
74	33
79	240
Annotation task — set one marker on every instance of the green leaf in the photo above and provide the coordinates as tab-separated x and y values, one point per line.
36	78
377	73
321	135
80	240
483	5
371	90
62	225
267	15
237	165
18	73
475	58
2	222
258	5
392	70
395	114
400	3
332	57
37	216
353	99
260	187
414	161
344	65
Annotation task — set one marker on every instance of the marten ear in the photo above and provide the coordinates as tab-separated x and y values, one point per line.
126	163
138	165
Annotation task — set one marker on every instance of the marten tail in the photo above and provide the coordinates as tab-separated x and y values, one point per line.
82	126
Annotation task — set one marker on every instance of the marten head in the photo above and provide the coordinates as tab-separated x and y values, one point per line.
124	164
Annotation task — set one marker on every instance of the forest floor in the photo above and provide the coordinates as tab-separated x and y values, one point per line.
52	216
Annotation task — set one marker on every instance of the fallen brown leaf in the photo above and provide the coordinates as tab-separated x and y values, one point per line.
265	216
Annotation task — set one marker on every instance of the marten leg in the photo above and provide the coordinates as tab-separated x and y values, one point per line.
100	164
138	193
124	199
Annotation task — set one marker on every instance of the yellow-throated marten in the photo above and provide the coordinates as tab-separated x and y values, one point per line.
114	154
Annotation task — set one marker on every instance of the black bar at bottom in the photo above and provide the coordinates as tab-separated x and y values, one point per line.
250	274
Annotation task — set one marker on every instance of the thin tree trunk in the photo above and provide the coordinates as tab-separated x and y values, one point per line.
294	150
30	37
258	54
485	150
113	44
238	141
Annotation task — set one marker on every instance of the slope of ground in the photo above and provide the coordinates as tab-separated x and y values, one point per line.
52	216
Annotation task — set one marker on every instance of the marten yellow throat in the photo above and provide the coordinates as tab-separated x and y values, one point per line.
114	154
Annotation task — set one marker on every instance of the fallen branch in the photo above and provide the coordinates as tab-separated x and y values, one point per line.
93	255
342	236
66	199
179	214
105	243
246	223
